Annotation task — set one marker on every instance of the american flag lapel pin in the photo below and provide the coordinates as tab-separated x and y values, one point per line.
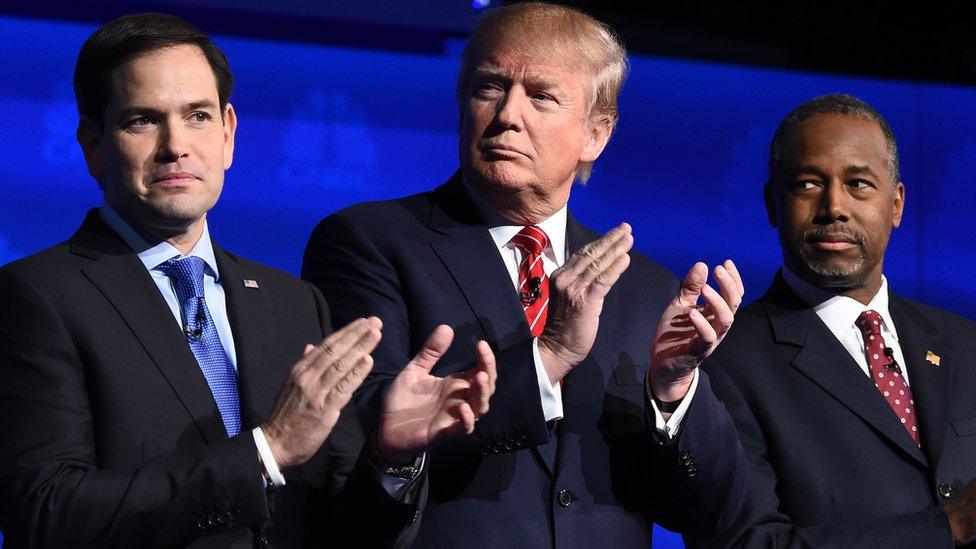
249	283
933	358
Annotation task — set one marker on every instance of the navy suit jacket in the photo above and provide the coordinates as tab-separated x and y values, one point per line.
111	436
429	259
831	464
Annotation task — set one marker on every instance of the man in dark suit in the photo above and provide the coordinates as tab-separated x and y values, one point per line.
854	405
587	441
140	362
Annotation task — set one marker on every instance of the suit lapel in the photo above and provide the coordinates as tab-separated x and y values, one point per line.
828	364
469	255
929	383
121	277
251	321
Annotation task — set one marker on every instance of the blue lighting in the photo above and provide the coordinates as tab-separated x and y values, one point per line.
480	4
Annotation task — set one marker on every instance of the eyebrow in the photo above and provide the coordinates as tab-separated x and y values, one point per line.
850	170
193	106
492	70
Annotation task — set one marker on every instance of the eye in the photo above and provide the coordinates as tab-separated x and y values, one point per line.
859	183
488	89
141	121
541	96
200	117
806	184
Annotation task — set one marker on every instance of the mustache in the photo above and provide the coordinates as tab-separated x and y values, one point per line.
832	233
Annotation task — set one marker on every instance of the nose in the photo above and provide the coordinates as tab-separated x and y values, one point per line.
509	109
835	202
174	142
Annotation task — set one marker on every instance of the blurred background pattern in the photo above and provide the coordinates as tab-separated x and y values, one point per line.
344	102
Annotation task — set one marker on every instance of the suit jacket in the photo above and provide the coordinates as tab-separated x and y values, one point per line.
429	259
110	434
831	464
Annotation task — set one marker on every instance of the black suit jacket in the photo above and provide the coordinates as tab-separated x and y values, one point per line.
110	434
831	464
429	259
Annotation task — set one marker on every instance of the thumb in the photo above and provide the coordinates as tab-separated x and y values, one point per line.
691	286
434	348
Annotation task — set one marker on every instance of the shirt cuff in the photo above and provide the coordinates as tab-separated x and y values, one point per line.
398	488
551	395
272	474
669	429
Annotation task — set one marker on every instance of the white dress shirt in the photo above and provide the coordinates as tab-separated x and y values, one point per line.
553	256
840	314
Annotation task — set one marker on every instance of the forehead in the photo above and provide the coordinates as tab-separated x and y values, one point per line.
835	141
528	60
173	74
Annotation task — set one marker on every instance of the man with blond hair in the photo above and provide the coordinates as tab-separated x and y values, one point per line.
587	440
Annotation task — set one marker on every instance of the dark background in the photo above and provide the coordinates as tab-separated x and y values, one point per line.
344	102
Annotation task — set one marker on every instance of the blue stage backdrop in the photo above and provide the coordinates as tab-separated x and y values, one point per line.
324	127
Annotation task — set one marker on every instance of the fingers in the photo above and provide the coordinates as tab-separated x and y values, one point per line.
721	312
598	255
691	286
486	363
706	333
343	352
340	394
434	348
730	284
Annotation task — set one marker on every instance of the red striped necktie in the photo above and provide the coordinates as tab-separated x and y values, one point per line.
886	373
533	283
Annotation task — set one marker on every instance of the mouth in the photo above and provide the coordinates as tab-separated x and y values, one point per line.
175	179
498	151
834	241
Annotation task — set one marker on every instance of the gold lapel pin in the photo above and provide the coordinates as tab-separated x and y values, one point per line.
933	358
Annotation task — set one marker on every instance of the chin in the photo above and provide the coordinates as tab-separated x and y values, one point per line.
178	212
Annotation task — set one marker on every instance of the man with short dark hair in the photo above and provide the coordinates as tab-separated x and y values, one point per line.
854	405
589	440
156	390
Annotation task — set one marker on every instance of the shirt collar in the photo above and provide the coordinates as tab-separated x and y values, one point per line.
839	312
502	230
153	255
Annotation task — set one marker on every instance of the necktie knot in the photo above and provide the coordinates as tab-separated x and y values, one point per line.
187	276
531	240
870	323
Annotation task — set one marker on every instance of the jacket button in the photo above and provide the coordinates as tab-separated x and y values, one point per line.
946	491
565	498
685	455
264	541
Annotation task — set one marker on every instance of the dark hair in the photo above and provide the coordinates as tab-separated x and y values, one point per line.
834	103
129	36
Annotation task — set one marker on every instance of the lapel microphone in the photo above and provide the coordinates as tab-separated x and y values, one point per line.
534	292
893	364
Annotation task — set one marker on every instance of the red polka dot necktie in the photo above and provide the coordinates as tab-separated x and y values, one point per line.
533	284
886	373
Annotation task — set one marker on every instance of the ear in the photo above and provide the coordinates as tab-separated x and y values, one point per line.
769	191
597	137
230	129
89	137
898	205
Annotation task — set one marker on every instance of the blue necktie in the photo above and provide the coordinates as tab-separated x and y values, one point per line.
201	334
